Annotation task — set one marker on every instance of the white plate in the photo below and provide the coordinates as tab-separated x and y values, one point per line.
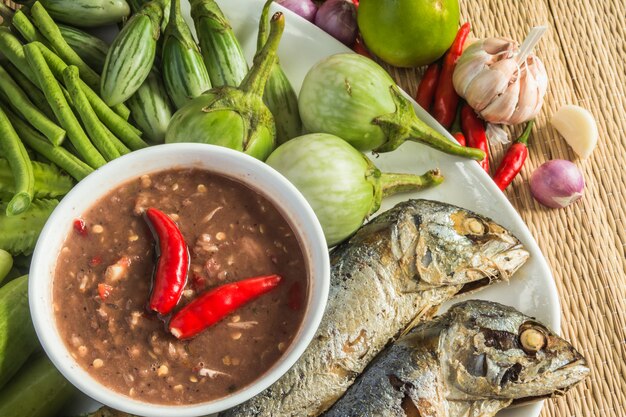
531	290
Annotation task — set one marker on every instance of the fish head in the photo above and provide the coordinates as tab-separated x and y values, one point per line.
459	247
495	352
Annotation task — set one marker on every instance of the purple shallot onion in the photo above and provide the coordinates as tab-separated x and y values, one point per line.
557	183
338	18
303	8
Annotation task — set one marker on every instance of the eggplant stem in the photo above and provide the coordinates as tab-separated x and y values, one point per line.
264	60
400	183
263	25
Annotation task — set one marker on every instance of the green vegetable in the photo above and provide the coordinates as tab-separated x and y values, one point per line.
97	132
48	180
352	97
6	264
85	13
20	232
13	149
22	104
32	91
29	32
279	95
220	49
56	154
51	32
151	109
61	108
38	390
118	125
184	73
136	5
91	49
232	117
18	340
408	33
342	186
131	55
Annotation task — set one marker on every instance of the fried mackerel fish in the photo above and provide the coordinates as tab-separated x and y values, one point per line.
472	361
393	272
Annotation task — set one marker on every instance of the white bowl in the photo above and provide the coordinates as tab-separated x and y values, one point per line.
227	162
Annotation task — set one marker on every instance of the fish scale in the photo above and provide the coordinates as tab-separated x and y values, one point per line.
376	293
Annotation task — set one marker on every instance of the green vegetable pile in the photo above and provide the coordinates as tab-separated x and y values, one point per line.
70	103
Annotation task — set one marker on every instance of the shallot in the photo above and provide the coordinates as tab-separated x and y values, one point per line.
338	19
557	183
304	8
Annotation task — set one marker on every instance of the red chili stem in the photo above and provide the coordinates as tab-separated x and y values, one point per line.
475	134
513	160
214	305
172	267
446	99
426	90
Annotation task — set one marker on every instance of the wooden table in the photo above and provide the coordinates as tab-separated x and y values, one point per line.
584	53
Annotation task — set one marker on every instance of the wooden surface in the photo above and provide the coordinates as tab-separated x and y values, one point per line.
584	53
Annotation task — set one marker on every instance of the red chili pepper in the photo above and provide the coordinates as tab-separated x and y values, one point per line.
356	3
214	305
474	131
428	85
171	272
95	261
513	160
359	47
104	290
460	138
80	227
446	98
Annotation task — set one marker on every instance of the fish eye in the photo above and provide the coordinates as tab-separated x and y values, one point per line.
474	226
532	337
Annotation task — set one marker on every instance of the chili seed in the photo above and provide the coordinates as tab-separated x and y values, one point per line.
131	392
146	181
235	318
236	335
82	350
281	346
201	188
133	238
178	387
226	360
163	370
97	229
175	187
220	236
192	378
97	363
174	216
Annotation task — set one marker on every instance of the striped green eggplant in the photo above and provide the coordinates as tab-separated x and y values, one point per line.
184	72
89	48
220	48
131	55
279	94
150	108
85	13
234	117
136	5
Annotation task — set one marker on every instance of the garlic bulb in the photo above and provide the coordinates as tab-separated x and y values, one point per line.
502	81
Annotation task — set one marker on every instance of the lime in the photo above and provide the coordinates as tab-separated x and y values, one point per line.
408	33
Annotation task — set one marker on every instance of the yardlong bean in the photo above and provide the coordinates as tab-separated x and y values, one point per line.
61	108
22	104
15	152
22	23
32	91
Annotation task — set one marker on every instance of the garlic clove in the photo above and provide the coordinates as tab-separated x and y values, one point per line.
490	83
468	66
502	107
503	47
527	100
578	128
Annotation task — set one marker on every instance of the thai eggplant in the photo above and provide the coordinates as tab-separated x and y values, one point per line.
150	108
342	185
220	49
131	55
279	95
84	13
89	48
354	98
232	117
184	72
6	264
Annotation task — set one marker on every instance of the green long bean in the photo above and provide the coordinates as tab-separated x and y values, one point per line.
22	23
50	182
96	131
61	108
15	152
116	124
32	91
58	155
51	32
22	104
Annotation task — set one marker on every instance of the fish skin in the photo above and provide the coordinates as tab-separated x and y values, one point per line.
457	364
393	272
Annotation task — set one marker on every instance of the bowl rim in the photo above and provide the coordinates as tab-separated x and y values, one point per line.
308	230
